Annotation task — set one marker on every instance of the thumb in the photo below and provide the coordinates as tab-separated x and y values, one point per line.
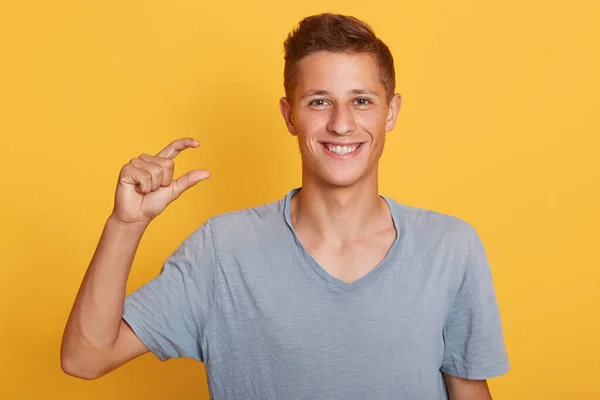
188	180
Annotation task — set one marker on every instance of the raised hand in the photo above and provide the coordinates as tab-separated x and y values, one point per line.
146	186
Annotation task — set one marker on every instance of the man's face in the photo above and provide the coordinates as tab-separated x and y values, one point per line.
340	114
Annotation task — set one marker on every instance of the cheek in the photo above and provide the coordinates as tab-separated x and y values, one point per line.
373	123
310	123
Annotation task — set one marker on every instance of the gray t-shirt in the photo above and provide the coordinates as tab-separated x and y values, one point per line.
242	295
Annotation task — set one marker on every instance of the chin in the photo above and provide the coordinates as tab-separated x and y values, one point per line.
335	176
341	180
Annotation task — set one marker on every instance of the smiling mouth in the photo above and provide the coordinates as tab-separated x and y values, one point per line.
342	150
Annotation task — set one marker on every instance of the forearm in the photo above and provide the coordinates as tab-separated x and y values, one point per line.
466	389
96	315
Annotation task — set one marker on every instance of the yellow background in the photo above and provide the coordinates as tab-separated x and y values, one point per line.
499	127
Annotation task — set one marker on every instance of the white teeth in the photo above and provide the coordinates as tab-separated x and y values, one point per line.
342	150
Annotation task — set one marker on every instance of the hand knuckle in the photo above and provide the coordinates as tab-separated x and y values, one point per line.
168	163
156	169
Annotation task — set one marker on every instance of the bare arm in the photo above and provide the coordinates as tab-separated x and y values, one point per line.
467	389
96	339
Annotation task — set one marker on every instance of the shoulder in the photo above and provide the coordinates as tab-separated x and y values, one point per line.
446	241
425	225
240	228
248	217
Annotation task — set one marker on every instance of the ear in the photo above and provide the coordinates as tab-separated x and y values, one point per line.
286	111
393	110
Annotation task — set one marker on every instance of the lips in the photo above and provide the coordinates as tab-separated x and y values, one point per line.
341	150
342	143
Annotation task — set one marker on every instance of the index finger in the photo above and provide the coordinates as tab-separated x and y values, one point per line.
177	146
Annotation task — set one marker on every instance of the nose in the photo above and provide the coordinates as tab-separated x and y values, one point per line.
341	120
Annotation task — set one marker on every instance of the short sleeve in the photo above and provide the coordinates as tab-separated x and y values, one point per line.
473	338
170	312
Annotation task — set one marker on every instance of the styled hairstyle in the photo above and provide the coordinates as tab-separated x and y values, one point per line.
335	33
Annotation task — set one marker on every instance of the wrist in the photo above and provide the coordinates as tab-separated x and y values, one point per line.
128	228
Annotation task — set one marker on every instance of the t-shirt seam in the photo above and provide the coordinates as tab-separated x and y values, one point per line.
476	367
300	252
354	289
460	288
341	290
214	286
305	262
133	318
400	232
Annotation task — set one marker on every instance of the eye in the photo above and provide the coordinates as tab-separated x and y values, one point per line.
362	101
318	102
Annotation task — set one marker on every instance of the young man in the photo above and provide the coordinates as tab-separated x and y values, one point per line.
333	292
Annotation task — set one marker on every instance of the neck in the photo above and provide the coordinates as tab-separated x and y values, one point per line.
336	214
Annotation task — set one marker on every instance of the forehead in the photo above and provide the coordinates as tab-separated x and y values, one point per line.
337	72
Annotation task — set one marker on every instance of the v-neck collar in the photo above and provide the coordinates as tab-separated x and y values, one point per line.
326	276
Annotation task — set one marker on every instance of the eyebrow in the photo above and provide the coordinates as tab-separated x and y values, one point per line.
321	92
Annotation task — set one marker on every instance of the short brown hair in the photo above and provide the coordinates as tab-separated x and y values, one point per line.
336	33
